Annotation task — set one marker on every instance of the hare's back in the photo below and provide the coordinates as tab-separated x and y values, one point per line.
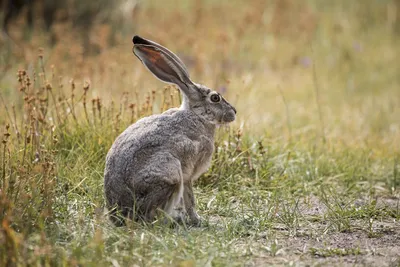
177	132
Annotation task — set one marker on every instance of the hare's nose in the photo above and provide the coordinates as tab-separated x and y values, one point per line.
234	109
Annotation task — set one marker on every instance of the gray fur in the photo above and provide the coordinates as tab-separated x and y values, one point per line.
151	166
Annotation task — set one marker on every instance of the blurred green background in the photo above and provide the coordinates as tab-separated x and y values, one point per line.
292	67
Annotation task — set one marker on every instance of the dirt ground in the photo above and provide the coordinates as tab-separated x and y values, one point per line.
315	245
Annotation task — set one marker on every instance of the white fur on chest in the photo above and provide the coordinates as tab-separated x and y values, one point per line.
201	168
204	156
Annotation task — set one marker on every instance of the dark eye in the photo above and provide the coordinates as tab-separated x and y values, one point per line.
215	98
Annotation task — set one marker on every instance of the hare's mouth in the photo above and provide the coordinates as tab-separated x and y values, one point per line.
227	118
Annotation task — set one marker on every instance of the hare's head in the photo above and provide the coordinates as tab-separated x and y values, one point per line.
167	67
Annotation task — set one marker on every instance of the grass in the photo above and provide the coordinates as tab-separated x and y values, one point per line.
334	252
308	174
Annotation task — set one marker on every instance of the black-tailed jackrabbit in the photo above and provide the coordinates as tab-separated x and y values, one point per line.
151	166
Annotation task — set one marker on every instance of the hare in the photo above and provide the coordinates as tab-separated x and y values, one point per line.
152	165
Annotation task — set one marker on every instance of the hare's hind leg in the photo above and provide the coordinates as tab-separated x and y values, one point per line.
161	186
174	206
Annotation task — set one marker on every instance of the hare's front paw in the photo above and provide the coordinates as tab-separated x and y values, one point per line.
178	215
195	219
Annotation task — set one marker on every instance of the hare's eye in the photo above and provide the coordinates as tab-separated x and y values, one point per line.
215	98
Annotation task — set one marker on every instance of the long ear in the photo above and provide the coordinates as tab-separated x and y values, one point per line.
164	64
